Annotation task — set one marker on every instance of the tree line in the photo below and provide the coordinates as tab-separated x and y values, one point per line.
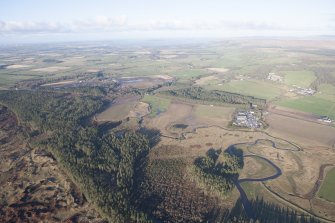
216	96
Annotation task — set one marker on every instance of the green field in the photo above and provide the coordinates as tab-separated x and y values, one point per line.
327	188
327	92
302	78
7	80
252	88
311	104
189	73
236	58
157	104
215	111
322	103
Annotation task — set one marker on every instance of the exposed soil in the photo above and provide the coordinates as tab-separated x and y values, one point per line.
51	69
298	130
218	69
294	114
204	80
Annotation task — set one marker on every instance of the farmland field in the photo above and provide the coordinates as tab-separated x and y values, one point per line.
10	79
312	104
305	132
301	78
222	112
152	112
327	92
186	74
253	88
328	185
208	80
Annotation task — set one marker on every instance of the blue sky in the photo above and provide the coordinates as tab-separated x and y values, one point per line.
38	20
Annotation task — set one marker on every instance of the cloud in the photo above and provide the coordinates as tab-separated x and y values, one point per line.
30	27
104	24
101	23
184	25
178	25
251	25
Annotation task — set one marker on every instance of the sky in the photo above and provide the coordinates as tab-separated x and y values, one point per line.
24	21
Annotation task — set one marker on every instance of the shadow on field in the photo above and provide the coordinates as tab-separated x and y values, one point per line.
263	212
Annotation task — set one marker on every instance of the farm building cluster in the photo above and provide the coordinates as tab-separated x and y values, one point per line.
303	91
274	77
325	119
247	119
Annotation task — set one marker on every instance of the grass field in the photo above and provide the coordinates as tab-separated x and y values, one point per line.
115	112
208	80
312	104
252	88
322	103
8	77
189	73
327	92
214	112
157	104
235	58
7	80
328	185
302	78
252	190
255	167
